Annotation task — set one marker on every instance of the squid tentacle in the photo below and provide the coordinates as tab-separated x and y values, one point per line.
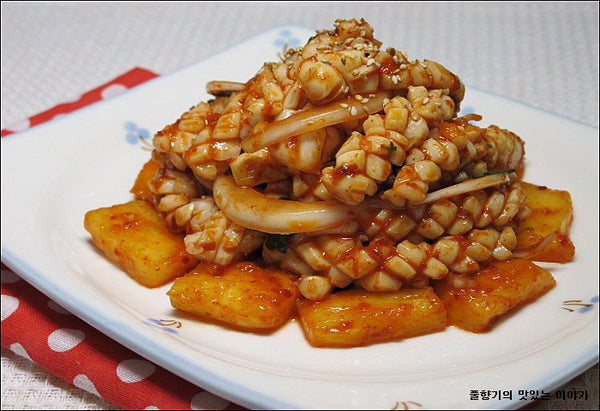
382	265
450	216
453	148
364	161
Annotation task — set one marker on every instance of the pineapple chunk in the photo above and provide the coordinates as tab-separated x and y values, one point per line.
140	187
496	290
136	238
551	211
355	318
241	295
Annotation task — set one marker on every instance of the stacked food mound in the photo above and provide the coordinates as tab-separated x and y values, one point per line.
339	186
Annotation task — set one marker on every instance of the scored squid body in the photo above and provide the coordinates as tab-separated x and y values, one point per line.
252	209
315	118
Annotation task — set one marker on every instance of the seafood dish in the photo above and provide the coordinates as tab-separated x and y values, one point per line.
340	188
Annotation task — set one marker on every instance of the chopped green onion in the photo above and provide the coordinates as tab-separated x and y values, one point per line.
278	242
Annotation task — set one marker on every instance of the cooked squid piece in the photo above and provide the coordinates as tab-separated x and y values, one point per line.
309	187
202	140
255	210
207	137
314	118
222	241
364	161
448	216
386	265
259	167
221	87
210	236
349	60
184	213
174	140
172	181
307	152
452	148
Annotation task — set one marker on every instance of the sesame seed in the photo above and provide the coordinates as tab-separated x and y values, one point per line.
395	79
344	105
353	111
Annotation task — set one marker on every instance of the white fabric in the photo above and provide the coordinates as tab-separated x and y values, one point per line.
543	54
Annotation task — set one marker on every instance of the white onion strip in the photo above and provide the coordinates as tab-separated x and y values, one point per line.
314	119
254	210
536	249
466	187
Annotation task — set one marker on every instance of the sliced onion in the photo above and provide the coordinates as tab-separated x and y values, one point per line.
466	187
536	249
314	119
217	87
254	210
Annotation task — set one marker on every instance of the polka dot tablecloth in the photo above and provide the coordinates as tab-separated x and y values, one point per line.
130	79
36	328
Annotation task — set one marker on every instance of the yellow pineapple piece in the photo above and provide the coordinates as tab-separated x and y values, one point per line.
355	318
492	293
136	238
140	187
551	212
241	295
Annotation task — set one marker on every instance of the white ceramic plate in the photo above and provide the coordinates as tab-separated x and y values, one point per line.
55	172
